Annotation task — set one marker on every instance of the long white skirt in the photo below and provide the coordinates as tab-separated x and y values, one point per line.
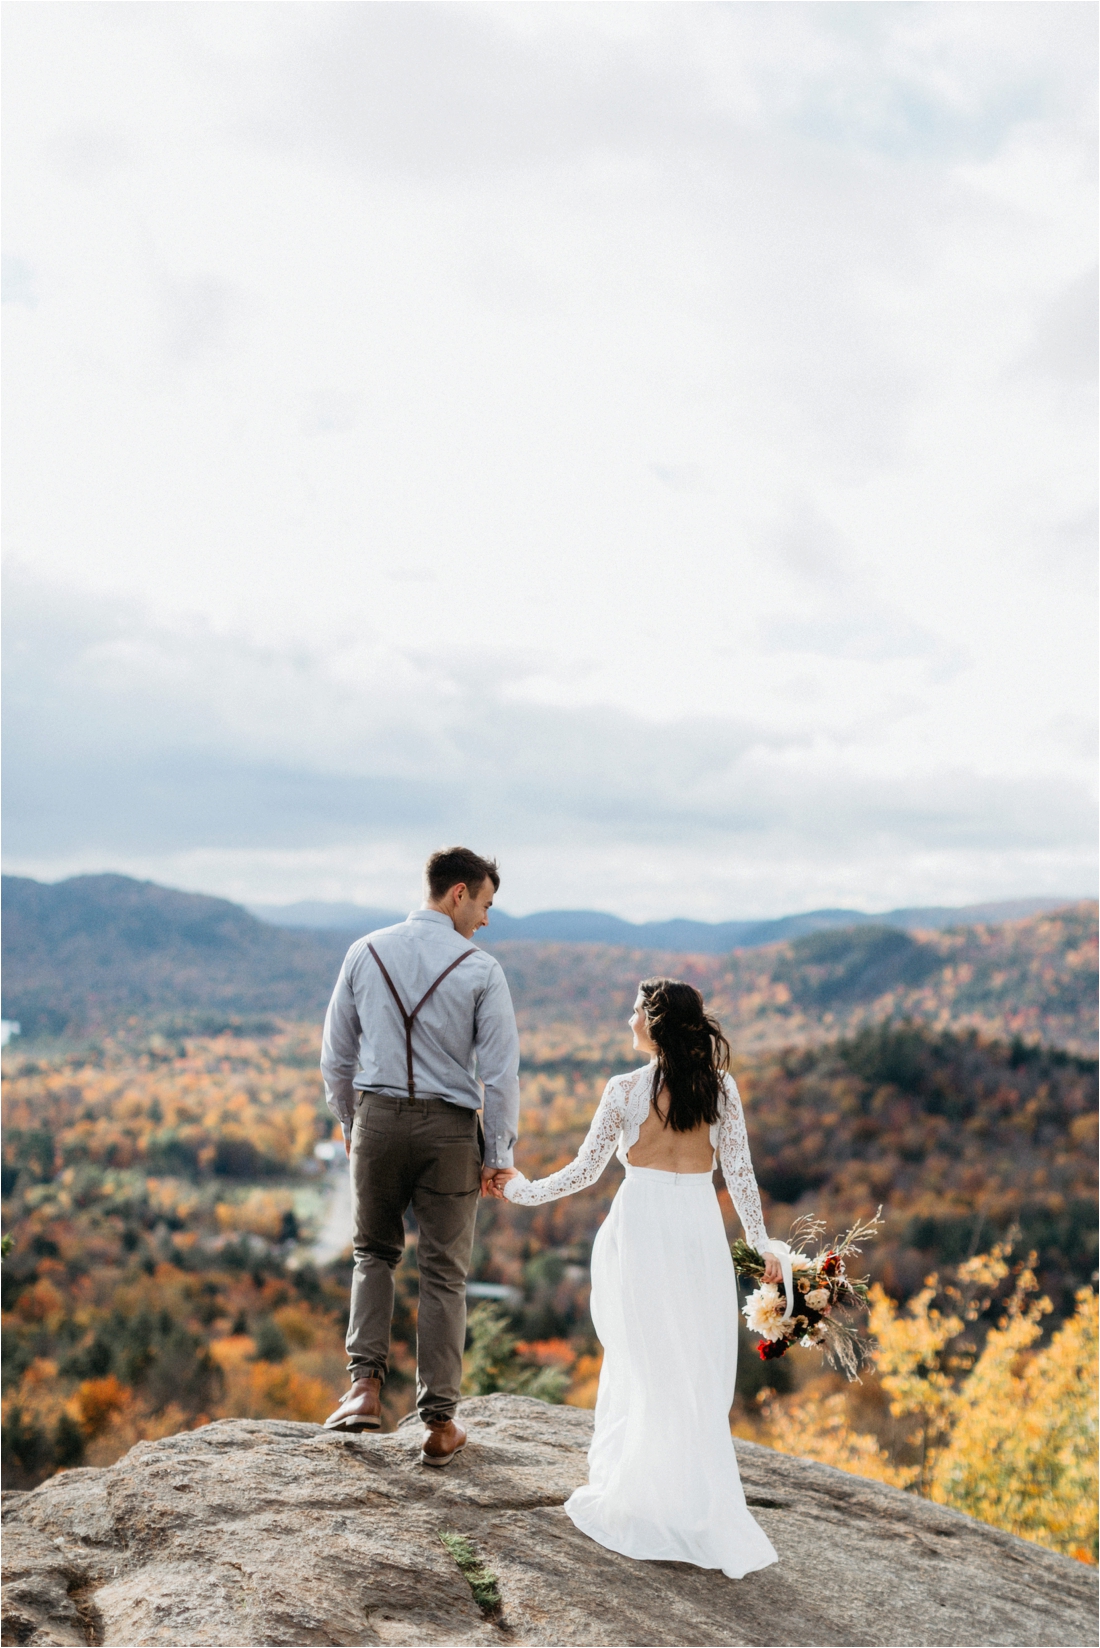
663	1482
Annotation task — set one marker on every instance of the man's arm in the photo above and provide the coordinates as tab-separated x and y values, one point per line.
497	1042
340	1053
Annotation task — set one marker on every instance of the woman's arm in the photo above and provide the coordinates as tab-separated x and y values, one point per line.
733	1153
589	1162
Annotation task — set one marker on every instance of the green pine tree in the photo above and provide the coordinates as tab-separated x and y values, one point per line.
491	1362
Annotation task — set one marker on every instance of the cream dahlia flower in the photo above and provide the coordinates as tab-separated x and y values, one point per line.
763	1311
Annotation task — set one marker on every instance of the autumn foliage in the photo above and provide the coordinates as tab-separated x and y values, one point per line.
163	1196
967	1405
155	1193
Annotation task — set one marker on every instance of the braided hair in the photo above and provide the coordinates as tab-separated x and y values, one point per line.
692	1053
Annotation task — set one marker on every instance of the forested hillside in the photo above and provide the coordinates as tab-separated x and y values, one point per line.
160	1185
1033	979
85	955
162	1199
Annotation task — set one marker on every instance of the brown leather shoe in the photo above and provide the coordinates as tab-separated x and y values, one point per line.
441	1441
361	1409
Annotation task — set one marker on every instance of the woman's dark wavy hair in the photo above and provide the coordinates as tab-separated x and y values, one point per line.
692	1052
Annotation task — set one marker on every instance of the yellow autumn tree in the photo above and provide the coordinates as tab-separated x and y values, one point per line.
1007	1434
911	1359
816	1426
1023	1448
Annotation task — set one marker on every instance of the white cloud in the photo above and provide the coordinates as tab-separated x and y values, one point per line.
686	407
182	754
1067	344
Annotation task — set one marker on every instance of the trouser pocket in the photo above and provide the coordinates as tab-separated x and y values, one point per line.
449	1156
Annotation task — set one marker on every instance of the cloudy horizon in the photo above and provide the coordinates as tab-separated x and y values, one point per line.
653	444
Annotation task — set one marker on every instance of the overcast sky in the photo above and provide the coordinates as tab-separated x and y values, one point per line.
654	444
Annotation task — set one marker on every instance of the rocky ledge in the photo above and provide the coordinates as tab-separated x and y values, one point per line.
269	1532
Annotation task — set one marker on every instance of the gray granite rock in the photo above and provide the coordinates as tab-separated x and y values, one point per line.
268	1532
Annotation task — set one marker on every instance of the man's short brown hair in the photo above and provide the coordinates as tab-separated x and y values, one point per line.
450	865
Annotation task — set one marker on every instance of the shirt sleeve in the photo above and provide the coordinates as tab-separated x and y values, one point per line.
496	1040
733	1153
589	1162
340	1051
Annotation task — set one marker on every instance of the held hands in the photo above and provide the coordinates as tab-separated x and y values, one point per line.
494	1179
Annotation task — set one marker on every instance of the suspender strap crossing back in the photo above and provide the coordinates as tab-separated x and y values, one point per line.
410	1018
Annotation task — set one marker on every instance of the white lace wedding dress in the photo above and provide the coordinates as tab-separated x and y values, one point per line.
663	1481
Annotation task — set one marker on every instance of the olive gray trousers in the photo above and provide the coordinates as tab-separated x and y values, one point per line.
425	1154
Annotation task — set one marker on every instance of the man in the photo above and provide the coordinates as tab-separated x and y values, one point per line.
413	1009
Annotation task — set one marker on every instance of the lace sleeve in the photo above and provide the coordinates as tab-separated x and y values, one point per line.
586	1166
733	1153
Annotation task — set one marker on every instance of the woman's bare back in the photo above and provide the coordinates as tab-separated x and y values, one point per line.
658	1146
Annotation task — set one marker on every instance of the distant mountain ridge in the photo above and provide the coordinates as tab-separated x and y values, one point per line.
1032	979
96	953
87	952
676	936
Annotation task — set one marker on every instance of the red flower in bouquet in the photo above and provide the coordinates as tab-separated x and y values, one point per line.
771	1348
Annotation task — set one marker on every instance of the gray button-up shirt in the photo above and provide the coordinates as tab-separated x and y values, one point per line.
468	1024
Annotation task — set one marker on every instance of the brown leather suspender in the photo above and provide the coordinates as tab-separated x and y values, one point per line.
410	1017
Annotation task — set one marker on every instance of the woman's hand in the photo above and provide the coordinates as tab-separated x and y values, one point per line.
494	1179
773	1270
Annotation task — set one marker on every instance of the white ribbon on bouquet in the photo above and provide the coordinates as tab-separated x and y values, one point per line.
784	1255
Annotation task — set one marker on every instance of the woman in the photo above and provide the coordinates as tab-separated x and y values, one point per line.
663	1480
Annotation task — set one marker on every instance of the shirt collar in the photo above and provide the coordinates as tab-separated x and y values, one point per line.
431	915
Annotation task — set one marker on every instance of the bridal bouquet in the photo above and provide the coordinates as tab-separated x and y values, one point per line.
820	1288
